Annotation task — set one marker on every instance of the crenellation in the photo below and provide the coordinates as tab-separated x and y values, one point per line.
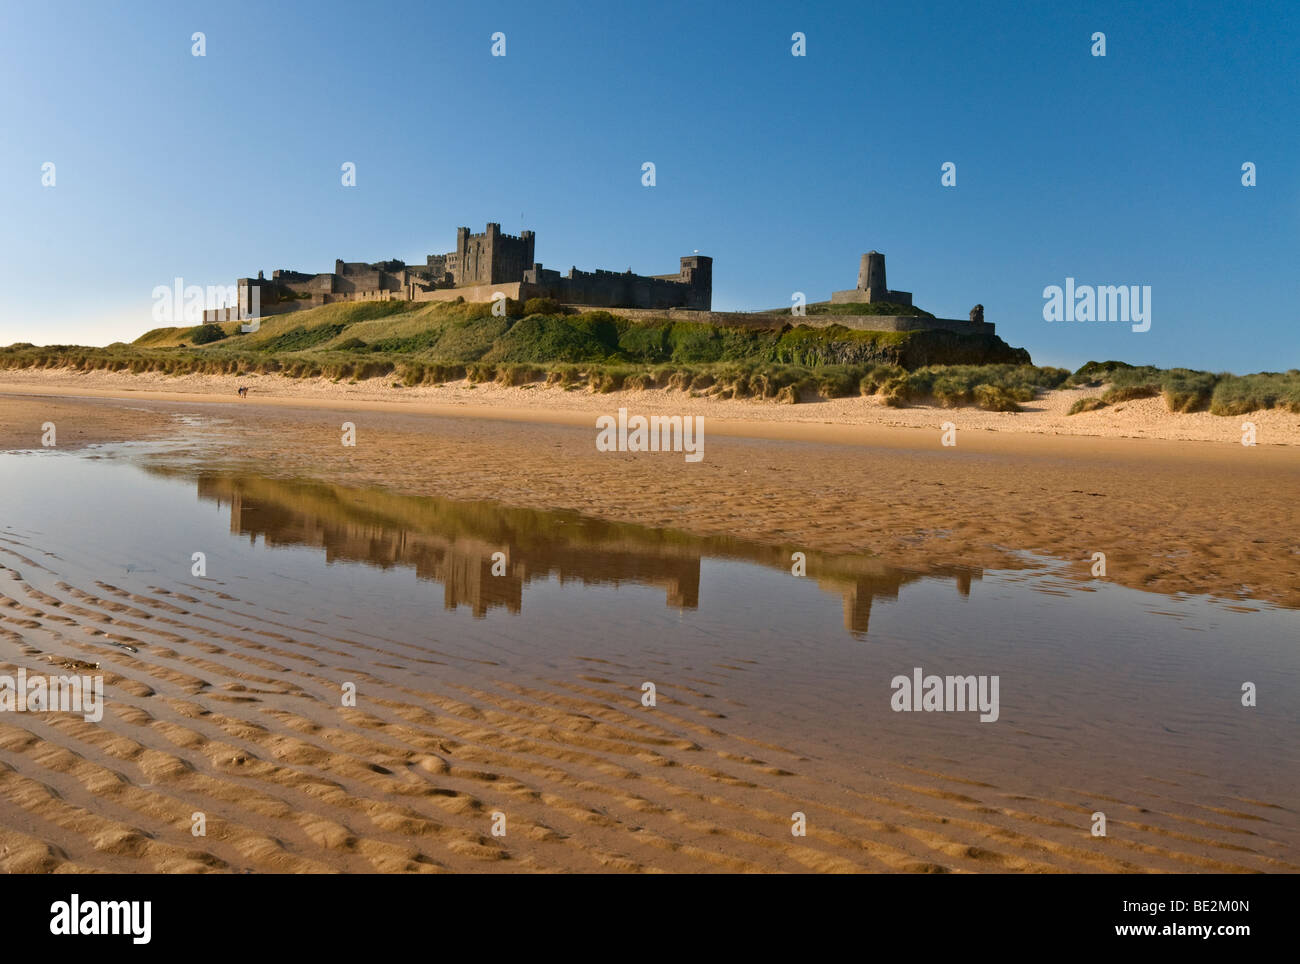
491	263
486	260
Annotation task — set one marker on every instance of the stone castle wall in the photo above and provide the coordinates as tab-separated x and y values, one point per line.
858	296
481	265
516	291
691	288
777	320
485	265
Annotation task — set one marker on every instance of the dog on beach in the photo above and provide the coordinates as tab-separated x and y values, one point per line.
243	391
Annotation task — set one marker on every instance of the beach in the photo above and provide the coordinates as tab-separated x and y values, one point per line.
223	692
1147	418
1173	512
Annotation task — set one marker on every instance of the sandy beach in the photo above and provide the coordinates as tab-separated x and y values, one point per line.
224	700
226	708
1147	418
1172	512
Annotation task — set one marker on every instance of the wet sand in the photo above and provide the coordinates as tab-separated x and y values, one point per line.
233	712
77	424
224	699
1170	516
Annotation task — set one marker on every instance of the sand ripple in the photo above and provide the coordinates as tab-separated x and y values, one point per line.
215	708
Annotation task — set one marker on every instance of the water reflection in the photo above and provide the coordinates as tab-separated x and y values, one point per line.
456	544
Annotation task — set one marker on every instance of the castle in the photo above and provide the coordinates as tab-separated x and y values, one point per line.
485	266
872	289
482	266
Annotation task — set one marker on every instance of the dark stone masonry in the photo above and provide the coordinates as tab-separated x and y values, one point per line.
481	266
490	264
871	285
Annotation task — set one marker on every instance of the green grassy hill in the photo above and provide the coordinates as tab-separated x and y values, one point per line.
463	333
436	342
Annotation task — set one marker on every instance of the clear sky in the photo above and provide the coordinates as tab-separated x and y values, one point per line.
1123	169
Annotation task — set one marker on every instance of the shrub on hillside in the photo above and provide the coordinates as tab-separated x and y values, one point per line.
1187	391
609	380
1090	404
545	338
1093	373
876	377
514	375
1126	393
1242	394
301	337
646	342
542	306
952	392
207	334
995	399
896	391
834	382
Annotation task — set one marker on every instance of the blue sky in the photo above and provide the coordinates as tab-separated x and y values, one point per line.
1117	170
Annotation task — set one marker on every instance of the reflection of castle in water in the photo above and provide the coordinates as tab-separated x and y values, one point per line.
860	591
454	543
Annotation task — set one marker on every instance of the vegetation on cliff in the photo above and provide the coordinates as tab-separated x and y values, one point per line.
1186	390
601	351
540	332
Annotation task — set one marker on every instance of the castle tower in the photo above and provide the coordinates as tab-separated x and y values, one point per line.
871	276
458	263
697	271
529	238
487	268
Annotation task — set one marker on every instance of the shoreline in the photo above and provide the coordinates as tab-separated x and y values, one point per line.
852	421
1171	516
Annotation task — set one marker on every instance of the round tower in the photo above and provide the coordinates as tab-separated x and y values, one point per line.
871	276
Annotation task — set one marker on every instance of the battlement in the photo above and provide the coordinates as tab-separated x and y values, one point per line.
493	230
491	264
482	262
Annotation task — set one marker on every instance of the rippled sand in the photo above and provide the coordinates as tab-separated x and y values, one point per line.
234	712
229	706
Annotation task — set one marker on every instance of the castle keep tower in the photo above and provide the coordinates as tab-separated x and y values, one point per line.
697	275
871	276
491	257
871	285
